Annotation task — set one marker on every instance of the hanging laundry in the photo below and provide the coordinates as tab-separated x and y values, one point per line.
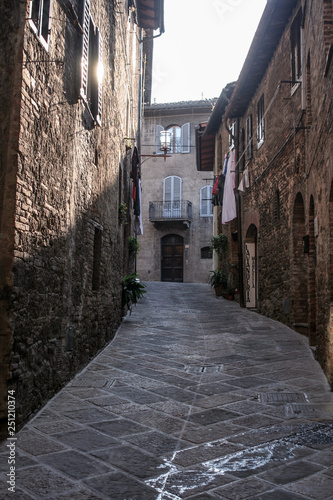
229	202
215	200
135	176
138	227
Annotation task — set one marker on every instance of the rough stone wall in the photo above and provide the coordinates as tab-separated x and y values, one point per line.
199	232
70	249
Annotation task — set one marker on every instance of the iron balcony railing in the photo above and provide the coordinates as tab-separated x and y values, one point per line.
166	210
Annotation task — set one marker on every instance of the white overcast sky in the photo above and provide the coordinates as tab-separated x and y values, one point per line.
203	48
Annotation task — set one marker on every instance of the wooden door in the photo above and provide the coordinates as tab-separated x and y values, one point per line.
172	258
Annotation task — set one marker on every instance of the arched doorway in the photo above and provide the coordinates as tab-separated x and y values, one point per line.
172	251
251	268
312	276
300	268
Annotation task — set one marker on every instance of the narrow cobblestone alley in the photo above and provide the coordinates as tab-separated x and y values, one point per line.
194	398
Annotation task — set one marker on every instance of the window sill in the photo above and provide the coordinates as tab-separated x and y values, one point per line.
294	88
41	40
260	143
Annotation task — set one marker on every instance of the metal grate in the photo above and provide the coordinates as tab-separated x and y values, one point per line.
282	397
197	369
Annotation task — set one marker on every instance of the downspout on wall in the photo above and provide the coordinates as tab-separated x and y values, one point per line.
239	213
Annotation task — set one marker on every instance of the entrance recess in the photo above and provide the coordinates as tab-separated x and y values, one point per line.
172	258
251	267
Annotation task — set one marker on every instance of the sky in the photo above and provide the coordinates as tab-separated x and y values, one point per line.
203	48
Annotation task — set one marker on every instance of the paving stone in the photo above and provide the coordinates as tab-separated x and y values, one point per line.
87	439
75	464
119	427
179	484
205	452
81	494
137	395
214	432
56	426
40	481
88	414
256	420
290	472
278	494
212	416
156	442
131	460
120	486
37	444
317	487
240	490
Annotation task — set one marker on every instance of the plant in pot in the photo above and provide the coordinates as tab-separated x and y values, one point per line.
219	280
133	246
132	290
219	243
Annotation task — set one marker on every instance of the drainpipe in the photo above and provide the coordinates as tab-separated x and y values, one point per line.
239	214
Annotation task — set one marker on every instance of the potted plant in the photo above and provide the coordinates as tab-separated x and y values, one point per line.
132	290
133	246
219	243
229	293
219	281
122	213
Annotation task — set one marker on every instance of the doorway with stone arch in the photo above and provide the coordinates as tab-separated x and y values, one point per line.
300	265
311	248
251	267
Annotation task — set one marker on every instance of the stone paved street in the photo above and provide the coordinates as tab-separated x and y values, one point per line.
194	398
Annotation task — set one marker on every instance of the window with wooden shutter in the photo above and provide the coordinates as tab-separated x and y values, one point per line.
172	196
186	138
91	65
85	49
261	121
100	73
40	20
295	41
249	138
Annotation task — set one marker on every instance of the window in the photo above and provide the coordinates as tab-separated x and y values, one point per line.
176	133
91	65
206	206
232	135
242	150
180	138
172	196
206	253
261	121
40	11
249	137
295	41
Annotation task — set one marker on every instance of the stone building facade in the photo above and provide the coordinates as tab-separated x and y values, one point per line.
280	118
176	194
71	85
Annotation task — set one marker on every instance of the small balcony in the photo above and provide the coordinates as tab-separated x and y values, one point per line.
162	213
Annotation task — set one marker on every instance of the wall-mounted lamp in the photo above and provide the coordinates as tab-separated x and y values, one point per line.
165	142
